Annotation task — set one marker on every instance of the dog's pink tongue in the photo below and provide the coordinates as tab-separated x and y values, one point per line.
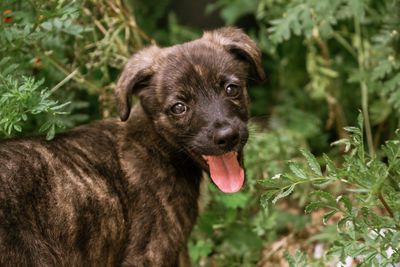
226	172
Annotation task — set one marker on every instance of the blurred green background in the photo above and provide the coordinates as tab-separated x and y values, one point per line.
327	62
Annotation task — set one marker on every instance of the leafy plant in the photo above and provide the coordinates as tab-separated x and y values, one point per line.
70	47
367	206
21	99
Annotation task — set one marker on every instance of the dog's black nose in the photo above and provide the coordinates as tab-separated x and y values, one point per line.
226	137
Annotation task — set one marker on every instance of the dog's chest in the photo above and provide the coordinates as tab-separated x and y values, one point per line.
163	210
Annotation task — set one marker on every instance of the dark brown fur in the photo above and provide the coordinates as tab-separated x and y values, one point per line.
125	193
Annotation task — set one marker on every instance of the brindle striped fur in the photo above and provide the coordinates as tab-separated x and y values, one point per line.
68	203
110	193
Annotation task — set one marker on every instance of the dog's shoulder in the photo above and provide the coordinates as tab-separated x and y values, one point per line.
91	144
108	129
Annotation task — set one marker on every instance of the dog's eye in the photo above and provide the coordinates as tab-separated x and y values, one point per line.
179	108
232	90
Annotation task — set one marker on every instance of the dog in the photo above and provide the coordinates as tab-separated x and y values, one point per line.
125	192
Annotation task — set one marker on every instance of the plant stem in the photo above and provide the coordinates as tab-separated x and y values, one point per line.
364	87
335	108
76	76
388	209
341	40
384	203
64	81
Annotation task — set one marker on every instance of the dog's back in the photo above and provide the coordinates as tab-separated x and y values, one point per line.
56	196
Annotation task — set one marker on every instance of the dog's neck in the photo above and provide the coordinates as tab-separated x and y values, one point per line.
139	129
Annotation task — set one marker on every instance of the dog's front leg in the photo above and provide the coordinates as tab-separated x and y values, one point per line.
157	259
184	259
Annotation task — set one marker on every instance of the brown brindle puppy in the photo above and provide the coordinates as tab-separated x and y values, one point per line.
125	193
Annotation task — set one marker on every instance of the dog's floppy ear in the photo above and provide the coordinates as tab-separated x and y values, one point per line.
237	42
135	76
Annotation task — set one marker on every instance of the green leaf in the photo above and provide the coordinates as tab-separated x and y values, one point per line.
345	142
354	130
330	166
201	248
312	162
45	126
380	110
17	127
347	203
63	105
313	206
274	184
360	122
298	260
329	199
284	193
383	68
266	198
328	215
357	7
297	171
51	133
392	151
290	259
10	69
369	256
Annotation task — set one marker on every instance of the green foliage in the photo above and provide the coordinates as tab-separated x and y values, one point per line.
368	205
233	9
298	260
21	99
59	52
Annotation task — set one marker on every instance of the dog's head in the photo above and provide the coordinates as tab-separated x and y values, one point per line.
196	95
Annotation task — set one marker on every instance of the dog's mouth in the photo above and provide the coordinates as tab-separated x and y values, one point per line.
226	170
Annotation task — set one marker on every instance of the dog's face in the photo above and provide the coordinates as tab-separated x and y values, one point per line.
196	95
